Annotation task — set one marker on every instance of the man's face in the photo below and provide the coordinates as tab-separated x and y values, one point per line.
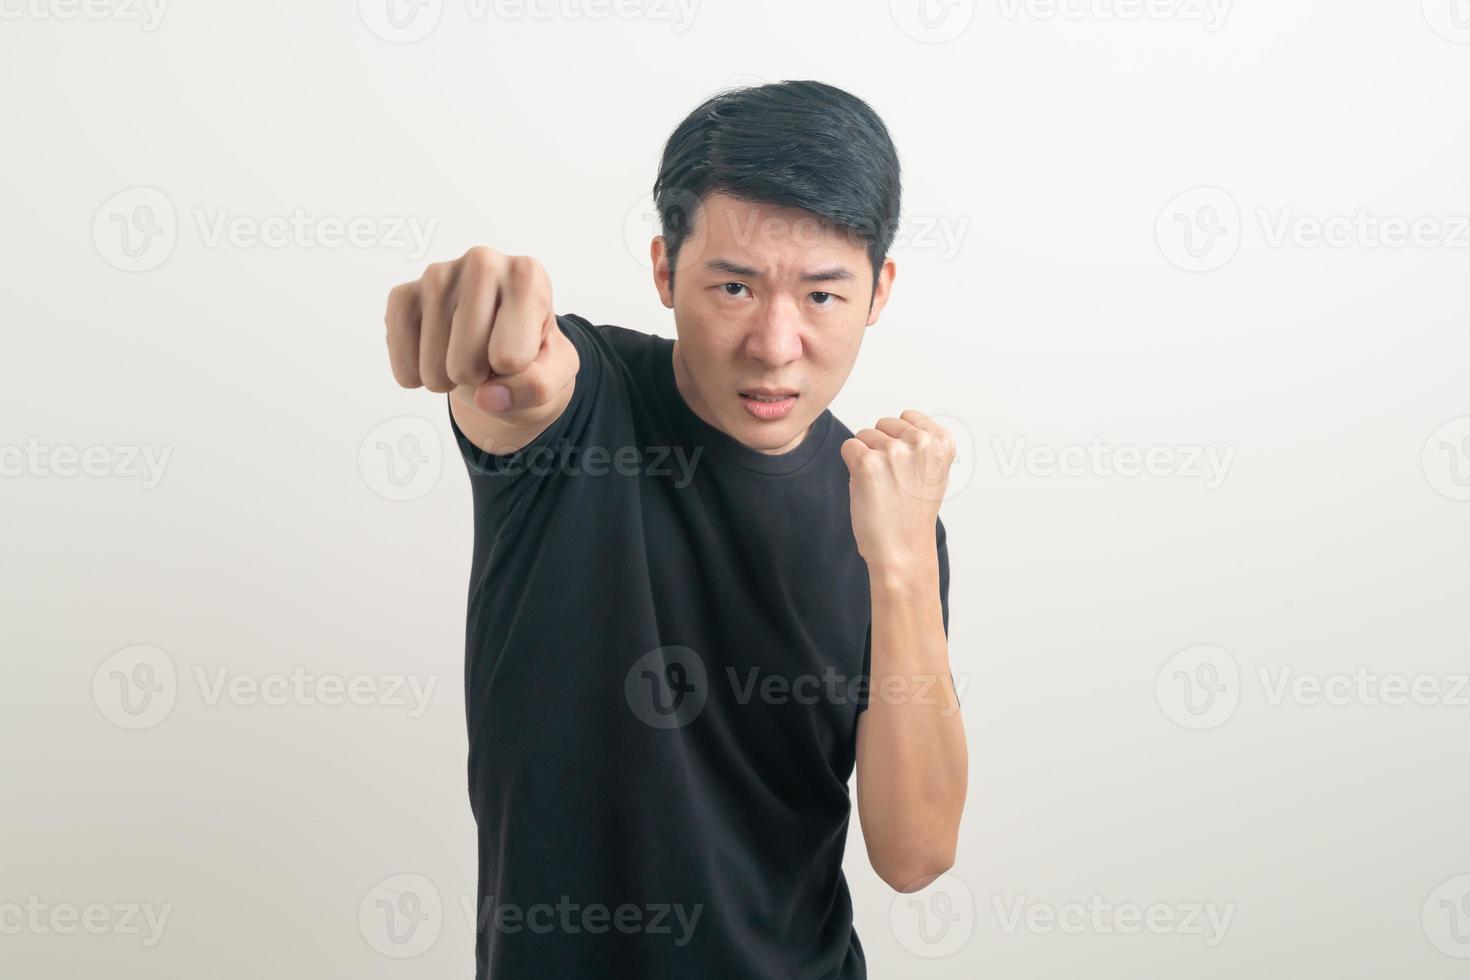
770	305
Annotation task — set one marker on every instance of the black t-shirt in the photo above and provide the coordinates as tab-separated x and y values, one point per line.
667	649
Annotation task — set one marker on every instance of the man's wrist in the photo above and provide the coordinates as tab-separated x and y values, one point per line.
905	577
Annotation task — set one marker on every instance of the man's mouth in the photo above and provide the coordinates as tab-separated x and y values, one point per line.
768	404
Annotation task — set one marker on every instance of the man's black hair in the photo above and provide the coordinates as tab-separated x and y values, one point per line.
800	144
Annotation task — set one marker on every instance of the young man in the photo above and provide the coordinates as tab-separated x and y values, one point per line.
696	599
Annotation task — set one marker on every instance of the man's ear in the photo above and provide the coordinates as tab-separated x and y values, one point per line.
882	290
659	253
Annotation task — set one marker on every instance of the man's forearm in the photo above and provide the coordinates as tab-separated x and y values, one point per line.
912	763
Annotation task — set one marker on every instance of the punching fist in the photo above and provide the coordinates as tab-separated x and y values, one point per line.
899	470
482	326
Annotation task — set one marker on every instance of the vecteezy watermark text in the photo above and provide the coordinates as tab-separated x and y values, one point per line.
407	21
1211	13
39	918
1200	687
402	916
120	462
1099	917
668	687
1210	464
568	459
1202	229
138	686
569	917
148	14
137	229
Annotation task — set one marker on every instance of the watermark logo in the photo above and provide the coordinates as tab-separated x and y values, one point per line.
943	235
1199	230
642	223
1450	19
407	233
1199	687
36	459
1446	917
1099	917
147	14
935	481
932	21
135	230
401	21
1363	229
304	688
571	918
1446	459
402	916
962	469
832	687
402	458
142	920
667	687
673	463
407	21
1210	465
936	922
1210	13
1362	687
136	687
678	13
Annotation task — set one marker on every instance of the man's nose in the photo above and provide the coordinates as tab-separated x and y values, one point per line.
775	339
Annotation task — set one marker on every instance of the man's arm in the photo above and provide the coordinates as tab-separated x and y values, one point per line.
482	327
912	762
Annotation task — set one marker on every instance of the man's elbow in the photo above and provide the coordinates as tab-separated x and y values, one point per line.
914	871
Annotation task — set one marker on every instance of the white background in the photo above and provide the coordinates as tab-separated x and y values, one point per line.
1043	304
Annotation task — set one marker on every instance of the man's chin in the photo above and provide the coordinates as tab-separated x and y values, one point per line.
773	438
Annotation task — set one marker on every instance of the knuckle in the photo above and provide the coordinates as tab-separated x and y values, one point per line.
510	363
435	278
402	366
464	369
482	258
399	296
523	272
536	390
436	378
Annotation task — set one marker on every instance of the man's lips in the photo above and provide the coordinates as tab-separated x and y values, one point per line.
768	404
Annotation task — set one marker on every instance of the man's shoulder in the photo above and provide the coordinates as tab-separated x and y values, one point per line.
840	432
628	346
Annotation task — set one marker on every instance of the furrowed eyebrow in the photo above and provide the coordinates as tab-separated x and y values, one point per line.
828	275
732	268
736	269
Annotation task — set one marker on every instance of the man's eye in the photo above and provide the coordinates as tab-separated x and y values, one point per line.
732	288
822	298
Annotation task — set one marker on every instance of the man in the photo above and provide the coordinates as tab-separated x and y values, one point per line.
696	599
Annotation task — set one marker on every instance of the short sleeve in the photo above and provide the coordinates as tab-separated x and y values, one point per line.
943	546
504	484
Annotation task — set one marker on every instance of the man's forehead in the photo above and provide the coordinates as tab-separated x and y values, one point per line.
758	229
